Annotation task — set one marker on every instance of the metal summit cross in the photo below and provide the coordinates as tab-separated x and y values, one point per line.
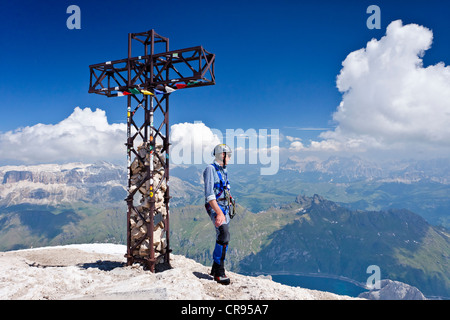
148	80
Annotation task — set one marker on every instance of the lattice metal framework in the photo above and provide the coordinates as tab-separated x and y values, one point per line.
148	80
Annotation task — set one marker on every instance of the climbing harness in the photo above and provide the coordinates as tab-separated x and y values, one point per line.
224	186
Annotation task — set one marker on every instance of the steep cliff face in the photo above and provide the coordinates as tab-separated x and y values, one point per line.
16	176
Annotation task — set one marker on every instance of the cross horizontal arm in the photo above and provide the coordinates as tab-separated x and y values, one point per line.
192	67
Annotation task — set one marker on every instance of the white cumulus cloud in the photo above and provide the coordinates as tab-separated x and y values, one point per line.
85	135
390	100
192	143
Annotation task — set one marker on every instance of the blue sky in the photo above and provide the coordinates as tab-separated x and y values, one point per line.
276	61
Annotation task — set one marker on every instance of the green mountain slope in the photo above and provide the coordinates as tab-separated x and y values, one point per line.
313	235
28	225
309	235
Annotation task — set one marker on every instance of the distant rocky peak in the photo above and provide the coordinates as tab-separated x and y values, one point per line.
306	202
303	201
317	199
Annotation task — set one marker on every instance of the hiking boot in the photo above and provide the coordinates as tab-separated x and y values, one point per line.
214	268
222	280
218	272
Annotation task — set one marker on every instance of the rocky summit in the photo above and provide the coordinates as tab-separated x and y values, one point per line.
98	271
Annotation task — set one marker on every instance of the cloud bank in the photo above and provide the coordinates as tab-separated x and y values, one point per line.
391	102
85	135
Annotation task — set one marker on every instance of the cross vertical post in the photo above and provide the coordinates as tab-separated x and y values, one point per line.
148	80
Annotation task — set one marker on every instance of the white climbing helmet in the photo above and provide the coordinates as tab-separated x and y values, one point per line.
221	148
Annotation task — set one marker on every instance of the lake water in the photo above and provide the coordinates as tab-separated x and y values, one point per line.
337	286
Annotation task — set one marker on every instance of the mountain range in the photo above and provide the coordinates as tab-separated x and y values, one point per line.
365	215
52	184
358	184
420	186
352	169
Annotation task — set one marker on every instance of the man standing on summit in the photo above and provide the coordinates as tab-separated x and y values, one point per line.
220	207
